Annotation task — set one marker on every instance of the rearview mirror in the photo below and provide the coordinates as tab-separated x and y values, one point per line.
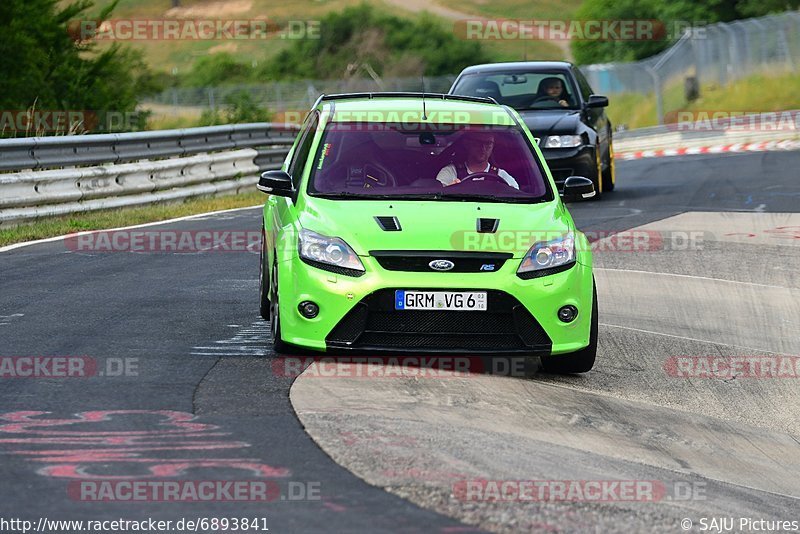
578	188
597	101
276	183
514	79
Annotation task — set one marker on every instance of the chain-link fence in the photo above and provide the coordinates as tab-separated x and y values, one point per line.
717	53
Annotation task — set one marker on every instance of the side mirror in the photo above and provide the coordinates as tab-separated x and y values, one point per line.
276	183
578	188
597	101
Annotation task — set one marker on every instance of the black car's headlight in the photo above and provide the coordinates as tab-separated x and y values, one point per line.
544	255
328	250
563	141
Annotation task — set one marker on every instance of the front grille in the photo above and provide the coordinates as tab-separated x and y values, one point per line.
374	324
419	261
434	321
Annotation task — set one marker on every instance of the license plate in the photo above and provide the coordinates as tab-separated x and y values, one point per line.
440	300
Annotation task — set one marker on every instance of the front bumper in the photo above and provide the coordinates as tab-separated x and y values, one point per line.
566	162
358	313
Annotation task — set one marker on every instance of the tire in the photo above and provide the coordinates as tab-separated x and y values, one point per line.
609	175
275	316
263	280
580	361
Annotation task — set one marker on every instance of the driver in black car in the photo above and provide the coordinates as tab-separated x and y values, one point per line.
552	89
479	148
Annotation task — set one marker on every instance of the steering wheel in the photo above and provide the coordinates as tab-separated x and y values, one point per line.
545	97
376	175
492	177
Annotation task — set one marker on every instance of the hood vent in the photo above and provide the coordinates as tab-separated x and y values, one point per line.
388	224
488	226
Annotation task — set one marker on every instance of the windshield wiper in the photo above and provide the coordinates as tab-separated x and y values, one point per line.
428	196
548	108
485	198
348	194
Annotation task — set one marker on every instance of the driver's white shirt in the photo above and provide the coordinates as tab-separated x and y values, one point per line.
448	175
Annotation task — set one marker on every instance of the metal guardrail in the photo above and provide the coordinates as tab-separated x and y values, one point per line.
49	152
69	174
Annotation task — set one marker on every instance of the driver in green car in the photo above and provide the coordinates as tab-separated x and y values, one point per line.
479	147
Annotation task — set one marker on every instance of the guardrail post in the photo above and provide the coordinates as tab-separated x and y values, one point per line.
658	94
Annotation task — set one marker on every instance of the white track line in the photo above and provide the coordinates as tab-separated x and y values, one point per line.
155	223
693	339
695	277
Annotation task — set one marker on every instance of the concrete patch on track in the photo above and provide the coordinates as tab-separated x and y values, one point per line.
695	387
422	438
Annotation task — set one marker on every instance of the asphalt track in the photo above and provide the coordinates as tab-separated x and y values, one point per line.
205	400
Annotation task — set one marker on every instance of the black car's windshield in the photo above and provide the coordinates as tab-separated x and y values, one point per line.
437	162
522	90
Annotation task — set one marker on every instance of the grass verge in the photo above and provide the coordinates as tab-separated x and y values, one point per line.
755	93
114	218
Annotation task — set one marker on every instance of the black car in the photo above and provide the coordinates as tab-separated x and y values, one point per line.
558	106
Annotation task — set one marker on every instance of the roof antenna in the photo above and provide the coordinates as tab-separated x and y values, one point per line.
424	113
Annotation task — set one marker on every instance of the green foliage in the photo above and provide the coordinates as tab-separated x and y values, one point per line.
756	8
240	107
672	17
391	46
217	69
46	66
351	42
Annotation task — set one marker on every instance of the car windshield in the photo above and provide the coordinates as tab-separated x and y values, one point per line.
439	162
522	90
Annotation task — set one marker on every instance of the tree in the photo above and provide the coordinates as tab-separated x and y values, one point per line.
671	16
47	64
362	35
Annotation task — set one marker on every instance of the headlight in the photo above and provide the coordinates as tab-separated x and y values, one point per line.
563	141
328	250
549	254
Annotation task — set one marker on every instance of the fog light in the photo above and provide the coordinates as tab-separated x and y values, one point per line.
308	309
567	314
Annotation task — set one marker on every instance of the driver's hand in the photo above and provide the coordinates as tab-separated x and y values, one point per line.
454	182
564	103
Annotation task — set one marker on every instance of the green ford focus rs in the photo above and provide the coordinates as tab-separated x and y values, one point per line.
405	223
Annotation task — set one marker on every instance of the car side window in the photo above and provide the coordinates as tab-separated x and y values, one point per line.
300	155
586	90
